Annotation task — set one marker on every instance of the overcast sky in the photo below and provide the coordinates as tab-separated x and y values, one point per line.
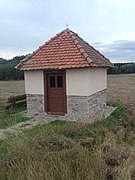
108	25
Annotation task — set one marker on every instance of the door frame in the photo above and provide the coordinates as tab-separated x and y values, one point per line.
45	74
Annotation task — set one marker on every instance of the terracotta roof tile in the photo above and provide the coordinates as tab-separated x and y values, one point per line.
63	51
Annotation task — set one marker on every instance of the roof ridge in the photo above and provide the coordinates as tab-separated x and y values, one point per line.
84	55
23	61
99	53
39	48
90	46
79	47
96	50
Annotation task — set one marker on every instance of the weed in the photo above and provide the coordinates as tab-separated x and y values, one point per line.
12	117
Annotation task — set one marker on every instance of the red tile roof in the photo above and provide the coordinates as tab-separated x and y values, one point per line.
63	51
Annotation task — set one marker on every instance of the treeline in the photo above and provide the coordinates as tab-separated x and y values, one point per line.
122	68
8	71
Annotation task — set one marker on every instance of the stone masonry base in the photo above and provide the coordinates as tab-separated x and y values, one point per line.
83	108
35	104
86	107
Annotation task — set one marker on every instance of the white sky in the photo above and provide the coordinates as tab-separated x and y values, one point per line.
108	25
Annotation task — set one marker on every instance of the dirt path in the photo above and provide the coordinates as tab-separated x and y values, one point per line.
40	119
4	133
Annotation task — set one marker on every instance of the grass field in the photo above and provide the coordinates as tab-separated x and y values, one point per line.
121	88
62	150
72	151
11	88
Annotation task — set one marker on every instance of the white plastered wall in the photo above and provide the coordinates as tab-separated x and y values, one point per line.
85	81
34	82
79	82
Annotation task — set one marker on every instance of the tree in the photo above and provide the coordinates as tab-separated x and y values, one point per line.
8	71
122	68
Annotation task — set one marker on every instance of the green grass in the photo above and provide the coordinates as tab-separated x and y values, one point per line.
17	109
72	150
11	117
4	147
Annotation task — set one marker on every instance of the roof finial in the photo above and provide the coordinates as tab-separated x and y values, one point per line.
67	25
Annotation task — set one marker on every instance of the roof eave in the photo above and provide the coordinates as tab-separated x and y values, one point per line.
58	68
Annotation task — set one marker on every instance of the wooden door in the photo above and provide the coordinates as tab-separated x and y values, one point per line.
56	93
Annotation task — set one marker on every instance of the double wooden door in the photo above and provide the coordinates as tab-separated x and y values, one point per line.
56	93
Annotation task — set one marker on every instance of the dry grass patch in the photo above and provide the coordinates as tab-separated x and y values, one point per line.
71	163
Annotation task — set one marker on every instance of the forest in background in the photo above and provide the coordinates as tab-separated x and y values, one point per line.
8	71
122	68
